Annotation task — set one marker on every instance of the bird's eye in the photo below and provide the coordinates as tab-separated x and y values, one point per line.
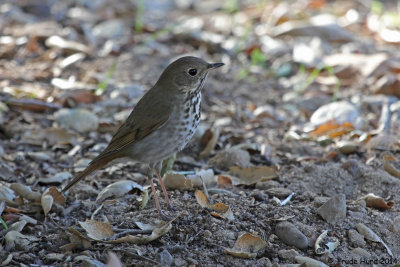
192	72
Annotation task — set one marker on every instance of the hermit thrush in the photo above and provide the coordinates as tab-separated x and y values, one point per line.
161	123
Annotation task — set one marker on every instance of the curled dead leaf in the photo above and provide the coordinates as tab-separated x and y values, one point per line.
333	129
252	175
118	189
247	246
139	240
377	202
26	192
372	236
210	138
97	230
224	181
50	196
77	239
202	199
220	210
177	181
391	165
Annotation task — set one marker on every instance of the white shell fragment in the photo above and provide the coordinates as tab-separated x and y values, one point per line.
323	245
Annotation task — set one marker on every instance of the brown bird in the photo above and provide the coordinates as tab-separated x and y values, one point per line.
162	122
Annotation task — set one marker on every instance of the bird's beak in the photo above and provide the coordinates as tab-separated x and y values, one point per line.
215	65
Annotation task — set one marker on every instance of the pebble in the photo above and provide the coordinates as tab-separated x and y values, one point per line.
288	254
319	201
180	262
39	155
334	210
395	225
279	192
267	184
310	262
165	258
361	252
355	239
290	235
258	196
207	234
80	120
231	157
356	214
352	167
347	147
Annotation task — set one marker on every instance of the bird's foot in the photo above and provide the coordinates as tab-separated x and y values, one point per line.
164	216
170	207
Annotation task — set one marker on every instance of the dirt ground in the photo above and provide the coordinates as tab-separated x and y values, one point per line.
317	171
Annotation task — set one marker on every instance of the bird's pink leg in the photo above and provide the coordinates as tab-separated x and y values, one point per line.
169	205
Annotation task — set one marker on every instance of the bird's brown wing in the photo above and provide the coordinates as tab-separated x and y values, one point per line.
144	119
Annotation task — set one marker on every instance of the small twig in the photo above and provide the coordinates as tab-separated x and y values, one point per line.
192	164
222	191
138	256
131	231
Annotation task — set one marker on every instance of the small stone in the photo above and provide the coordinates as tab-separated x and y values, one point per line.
165	258
207	234
40	155
231	157
180	262
361	252
80	120
288	254
395	225
258	196
319	201
356	214
264	261
310	262
290	235
279	192
352	167
334	210
355	239
267	184
347	147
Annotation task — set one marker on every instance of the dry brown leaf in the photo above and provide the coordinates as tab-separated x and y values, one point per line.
50	196
97	230
202	199
371	235
118	189
212	135
177	181
246	246
47	203
391	165
76	239
72	98
220	210
332	129
140	240
26	192
113	260
224	181
252	175
377	202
